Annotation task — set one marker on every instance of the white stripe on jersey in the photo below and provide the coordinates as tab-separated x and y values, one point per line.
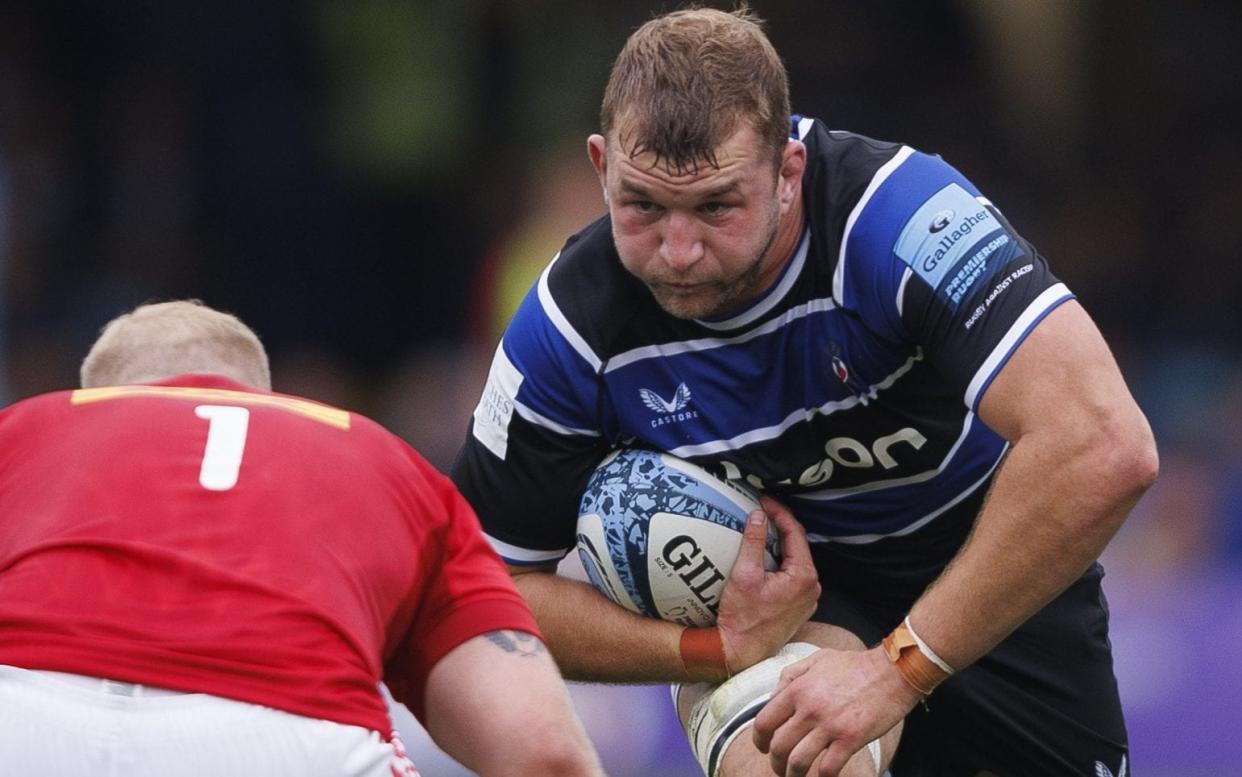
804	126
881	175
665	350
797	416
1040	305
866	539
547	423
499	402
561	323
901	291
514	554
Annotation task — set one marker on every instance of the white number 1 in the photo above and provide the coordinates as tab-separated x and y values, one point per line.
226	441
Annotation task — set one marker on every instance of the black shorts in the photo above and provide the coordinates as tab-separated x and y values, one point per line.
1042	703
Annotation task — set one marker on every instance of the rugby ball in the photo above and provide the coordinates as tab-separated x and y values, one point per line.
659	535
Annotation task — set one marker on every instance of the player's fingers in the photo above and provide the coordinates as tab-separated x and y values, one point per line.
795	746
791	673
750	554
806	754
794	547
834	759
816	765
779	709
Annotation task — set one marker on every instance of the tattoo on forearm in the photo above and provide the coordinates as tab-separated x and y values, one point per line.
517	642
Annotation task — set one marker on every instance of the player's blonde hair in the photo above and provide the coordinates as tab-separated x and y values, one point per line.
160	340
685	82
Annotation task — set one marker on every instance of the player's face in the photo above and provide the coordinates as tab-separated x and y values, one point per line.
705	242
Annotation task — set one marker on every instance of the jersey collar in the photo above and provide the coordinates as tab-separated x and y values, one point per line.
774	294
206	380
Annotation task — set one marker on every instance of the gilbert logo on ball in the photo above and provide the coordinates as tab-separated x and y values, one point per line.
659	535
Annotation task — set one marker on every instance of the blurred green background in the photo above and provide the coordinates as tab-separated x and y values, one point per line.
373	184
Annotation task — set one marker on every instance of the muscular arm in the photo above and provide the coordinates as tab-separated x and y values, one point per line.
1082	454
595	640
497	704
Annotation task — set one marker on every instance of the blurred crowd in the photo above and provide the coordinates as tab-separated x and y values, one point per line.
373	185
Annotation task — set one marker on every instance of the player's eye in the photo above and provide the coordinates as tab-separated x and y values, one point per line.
644	206
714	208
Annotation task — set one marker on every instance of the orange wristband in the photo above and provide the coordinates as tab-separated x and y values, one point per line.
919	671
703	649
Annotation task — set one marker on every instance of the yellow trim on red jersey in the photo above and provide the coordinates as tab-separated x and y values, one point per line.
312	410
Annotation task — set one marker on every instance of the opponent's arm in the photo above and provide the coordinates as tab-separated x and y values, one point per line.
1082	454
596	640
497	704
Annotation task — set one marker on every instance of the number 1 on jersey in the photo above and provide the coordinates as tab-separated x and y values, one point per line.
226	441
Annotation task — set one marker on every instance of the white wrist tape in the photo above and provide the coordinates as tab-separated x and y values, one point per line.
927	651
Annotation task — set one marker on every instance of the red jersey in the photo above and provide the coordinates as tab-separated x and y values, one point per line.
203	536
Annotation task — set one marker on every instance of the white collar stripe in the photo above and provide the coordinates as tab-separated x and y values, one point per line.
778	292
665	350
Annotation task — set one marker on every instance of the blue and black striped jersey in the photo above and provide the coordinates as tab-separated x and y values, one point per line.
849	389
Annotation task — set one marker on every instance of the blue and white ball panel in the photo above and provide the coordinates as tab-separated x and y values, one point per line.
595	554
659	535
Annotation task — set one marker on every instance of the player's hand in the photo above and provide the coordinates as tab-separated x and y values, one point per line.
760	610
828	706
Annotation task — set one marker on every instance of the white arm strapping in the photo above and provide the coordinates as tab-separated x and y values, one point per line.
720	715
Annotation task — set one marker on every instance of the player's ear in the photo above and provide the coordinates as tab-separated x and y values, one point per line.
597	150
789	177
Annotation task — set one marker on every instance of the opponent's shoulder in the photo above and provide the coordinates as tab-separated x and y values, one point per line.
37	407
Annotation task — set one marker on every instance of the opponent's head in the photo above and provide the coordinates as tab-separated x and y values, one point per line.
695	159
160	340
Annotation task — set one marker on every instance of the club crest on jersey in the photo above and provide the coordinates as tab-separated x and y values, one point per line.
670	411
840	369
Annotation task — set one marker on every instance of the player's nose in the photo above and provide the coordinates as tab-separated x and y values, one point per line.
681	244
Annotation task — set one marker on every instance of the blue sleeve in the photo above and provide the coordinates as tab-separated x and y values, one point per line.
558	381
931	262
533	438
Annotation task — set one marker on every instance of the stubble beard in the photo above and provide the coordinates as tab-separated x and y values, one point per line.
721	296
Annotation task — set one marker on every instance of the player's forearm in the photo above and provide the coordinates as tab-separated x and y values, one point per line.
1053	508
497	704
594	640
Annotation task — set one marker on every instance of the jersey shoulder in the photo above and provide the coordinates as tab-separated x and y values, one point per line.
588	292
889	211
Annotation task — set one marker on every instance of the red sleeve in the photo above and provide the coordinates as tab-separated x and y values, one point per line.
467	593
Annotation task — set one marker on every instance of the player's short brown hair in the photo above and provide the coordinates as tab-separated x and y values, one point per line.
160	340
685	81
